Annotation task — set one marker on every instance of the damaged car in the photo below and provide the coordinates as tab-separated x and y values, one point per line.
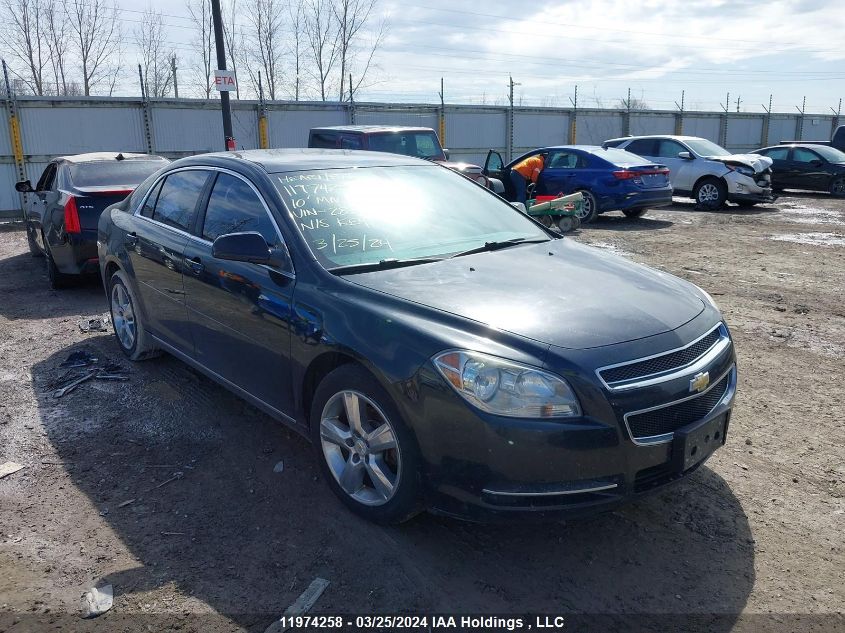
704	171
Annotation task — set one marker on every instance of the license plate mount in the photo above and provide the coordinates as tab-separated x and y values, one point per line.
690	447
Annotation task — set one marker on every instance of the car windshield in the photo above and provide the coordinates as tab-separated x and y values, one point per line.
830	154
368	215
115	173
703	147
418	144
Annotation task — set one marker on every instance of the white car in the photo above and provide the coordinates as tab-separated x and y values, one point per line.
704	171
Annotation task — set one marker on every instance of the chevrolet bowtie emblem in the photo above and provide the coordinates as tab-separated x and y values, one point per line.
699	382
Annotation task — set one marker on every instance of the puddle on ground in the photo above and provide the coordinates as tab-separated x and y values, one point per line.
797	212
811	239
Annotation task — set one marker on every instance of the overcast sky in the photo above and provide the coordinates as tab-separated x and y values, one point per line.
657	48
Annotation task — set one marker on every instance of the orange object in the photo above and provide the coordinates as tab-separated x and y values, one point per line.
530	168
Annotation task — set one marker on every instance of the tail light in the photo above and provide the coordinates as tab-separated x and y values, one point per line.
630	174
115	192
72	216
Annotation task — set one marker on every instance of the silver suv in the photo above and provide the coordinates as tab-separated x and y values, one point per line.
704	171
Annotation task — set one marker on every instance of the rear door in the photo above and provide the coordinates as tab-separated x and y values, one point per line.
156	248
240	312
36	207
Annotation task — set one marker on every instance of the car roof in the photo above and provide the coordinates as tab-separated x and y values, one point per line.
371	128
275	161
107	156
677	137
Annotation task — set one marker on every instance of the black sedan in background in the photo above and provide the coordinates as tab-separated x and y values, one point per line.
807	166
440	348
63	209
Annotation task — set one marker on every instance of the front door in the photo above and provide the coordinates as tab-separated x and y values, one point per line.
156	245
494	167
240	312
808	170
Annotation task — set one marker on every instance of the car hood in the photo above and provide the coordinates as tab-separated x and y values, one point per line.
464	168
559	292
755	161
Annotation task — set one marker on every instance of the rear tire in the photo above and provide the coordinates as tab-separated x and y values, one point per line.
710	193
133	339
591	207
381	483
633	213
837	187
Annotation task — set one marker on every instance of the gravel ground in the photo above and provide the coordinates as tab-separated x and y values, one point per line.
752	541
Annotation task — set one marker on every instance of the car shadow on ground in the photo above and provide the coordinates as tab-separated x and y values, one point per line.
730	209
85	296
615	222
211	520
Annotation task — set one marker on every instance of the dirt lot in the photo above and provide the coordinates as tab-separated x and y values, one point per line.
752	541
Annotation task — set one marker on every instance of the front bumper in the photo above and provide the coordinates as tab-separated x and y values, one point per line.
483	467
743	188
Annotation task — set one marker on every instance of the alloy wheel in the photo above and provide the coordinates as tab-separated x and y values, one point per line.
123	315
838	187
586	207
360	447
708	193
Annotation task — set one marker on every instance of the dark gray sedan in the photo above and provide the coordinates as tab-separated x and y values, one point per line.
441	349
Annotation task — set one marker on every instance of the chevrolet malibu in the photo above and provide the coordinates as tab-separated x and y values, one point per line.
442	350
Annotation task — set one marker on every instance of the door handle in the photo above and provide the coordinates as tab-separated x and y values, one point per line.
130	239
195	265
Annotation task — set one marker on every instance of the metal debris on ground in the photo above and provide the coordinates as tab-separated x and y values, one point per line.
125	503
301	605
79	358
97	324
279	467
73	384
9	468
97	601
176	475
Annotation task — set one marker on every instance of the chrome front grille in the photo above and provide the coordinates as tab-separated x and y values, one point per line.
668	365
659	423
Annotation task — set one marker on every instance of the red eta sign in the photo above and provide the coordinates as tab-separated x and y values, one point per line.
225	80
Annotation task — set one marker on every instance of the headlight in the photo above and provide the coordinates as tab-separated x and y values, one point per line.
709	298
506	388
741	169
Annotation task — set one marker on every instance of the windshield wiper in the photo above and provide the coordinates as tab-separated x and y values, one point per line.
494	246
383	264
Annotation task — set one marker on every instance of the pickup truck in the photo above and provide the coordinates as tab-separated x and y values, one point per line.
838	140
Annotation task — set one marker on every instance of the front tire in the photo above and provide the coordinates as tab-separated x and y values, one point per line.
837	187
633	213
366	452
710	193
590	207
133	339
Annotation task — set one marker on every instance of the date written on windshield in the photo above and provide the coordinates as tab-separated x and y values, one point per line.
346	244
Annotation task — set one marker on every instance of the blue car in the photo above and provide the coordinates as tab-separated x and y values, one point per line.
610	179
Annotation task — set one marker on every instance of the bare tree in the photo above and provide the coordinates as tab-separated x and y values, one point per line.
233	37
96	30
264	41
203	44
155	57
634	104
57	43
322	37
353	17
24	32
296	13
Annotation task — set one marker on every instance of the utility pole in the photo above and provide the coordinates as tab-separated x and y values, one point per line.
628	114
173	70
766	122
573	119
351	102
263	135
510	117
800	127
723	121
15	136
738	101
679	118
442	121
835	122
219	43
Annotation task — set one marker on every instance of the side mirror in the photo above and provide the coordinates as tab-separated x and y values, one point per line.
685	155
24	186
446	153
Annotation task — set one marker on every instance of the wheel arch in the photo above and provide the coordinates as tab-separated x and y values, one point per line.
701	179
319	368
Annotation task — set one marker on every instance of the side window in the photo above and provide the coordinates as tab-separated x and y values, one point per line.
642	147
669	149
803	155
150	203
45	183
350	142
324	140
234	208
778	153
564	160
178	196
